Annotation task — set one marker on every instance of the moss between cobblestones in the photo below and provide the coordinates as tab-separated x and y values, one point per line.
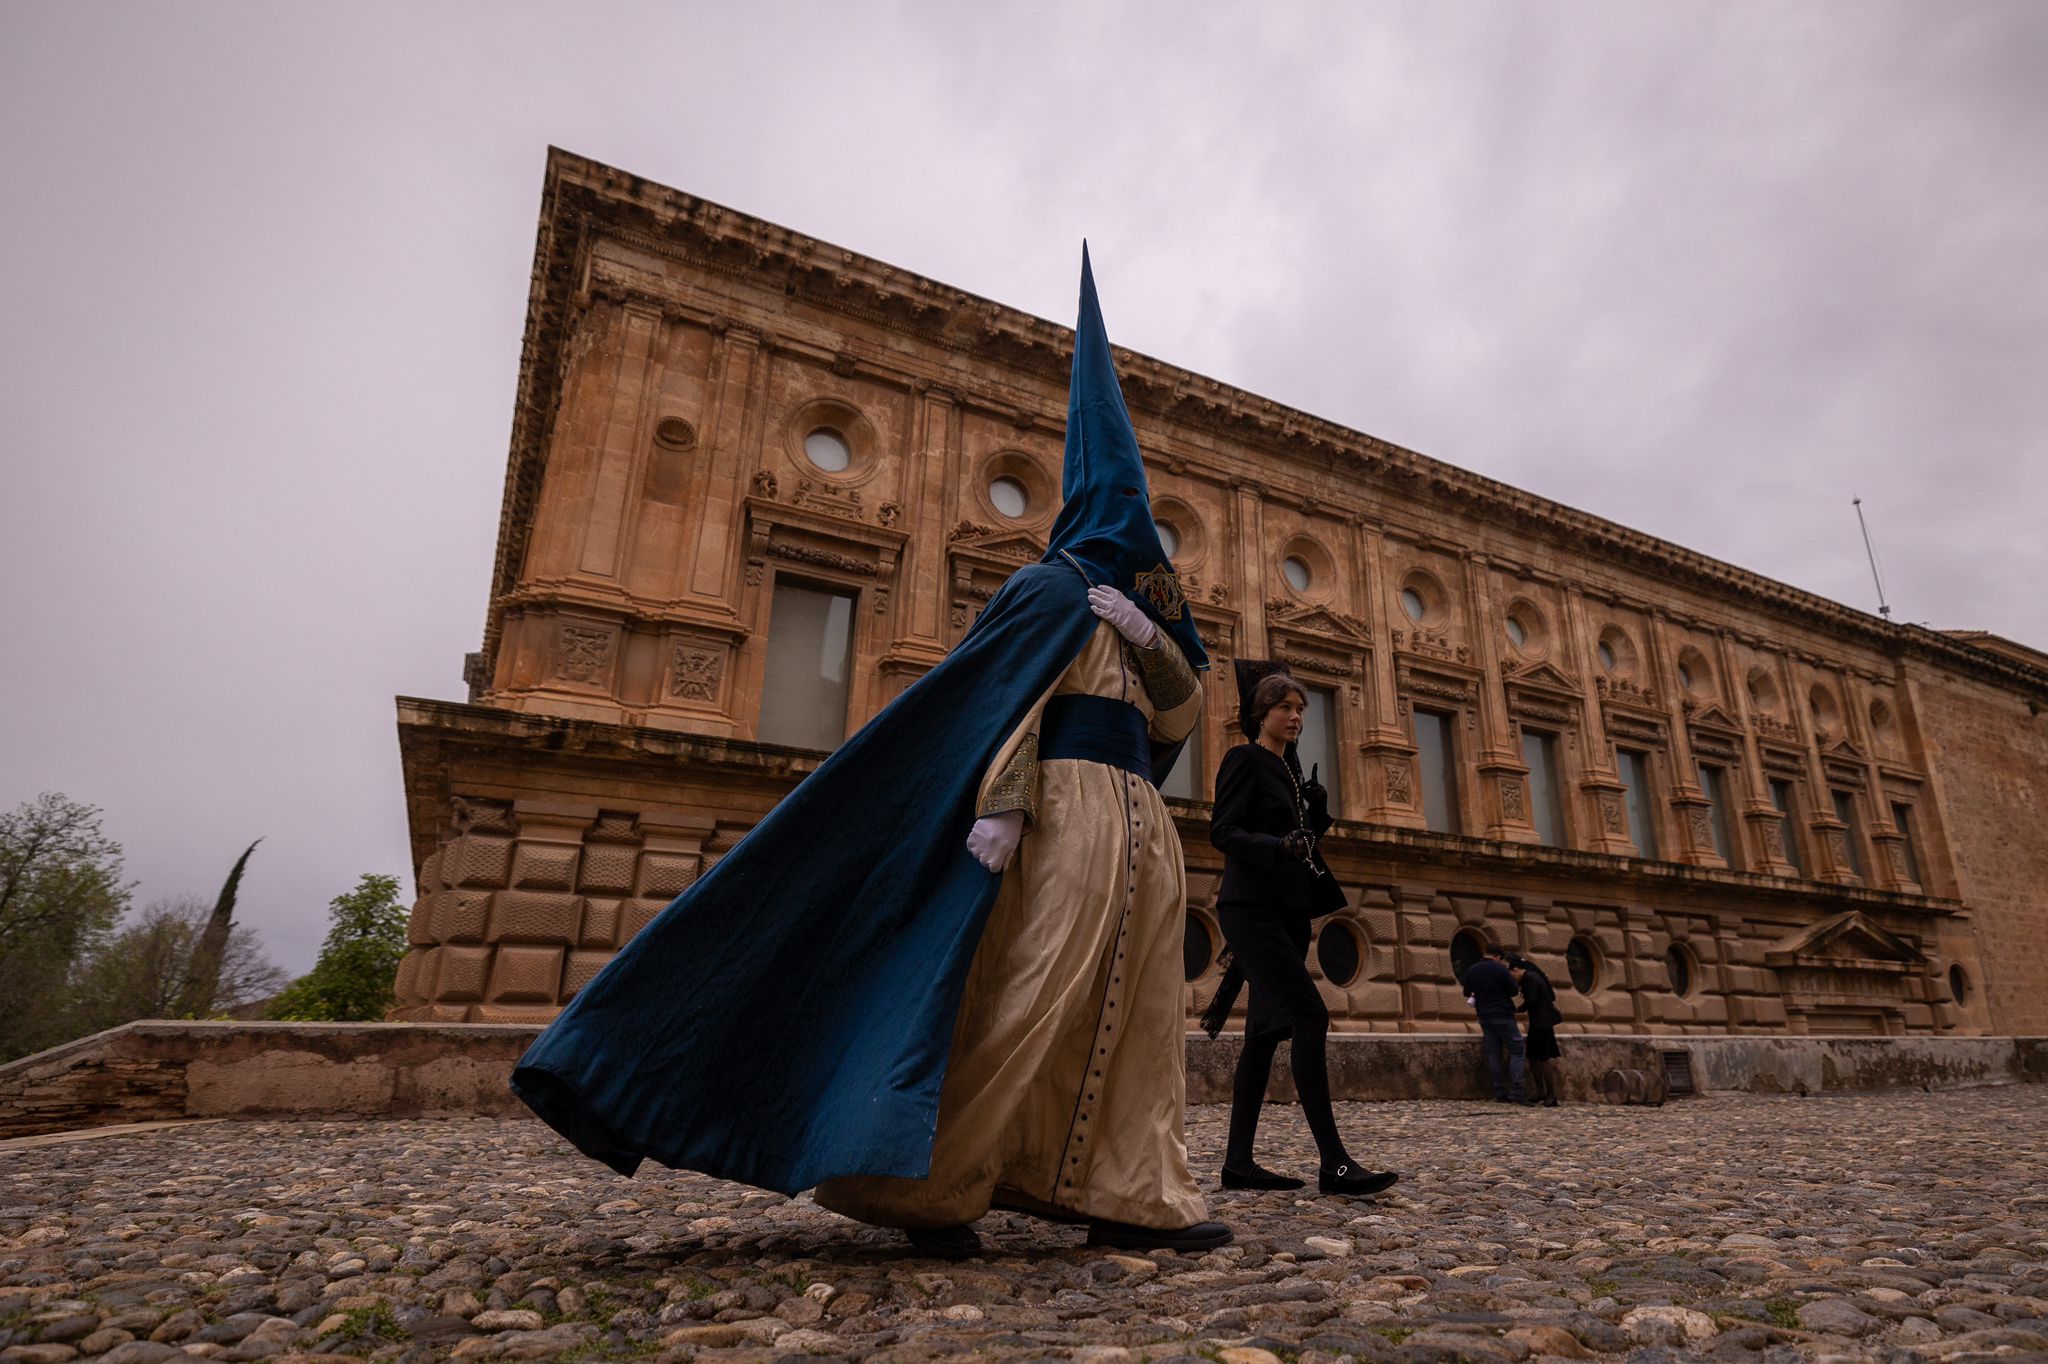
372	1321
1783	1312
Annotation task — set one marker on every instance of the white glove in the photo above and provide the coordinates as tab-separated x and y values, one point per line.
1119	610
993	839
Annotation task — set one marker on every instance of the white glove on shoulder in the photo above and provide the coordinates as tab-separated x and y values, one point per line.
1126	615
993	839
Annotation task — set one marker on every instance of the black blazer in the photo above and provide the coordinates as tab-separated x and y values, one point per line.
1254	810
1539	1000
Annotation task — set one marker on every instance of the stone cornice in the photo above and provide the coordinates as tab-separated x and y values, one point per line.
582	196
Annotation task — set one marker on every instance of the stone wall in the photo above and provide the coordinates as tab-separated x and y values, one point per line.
1989	749
146	1072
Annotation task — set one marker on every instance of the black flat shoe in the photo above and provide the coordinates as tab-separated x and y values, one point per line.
1124	1236
1354	1182
945	1243
1258	1177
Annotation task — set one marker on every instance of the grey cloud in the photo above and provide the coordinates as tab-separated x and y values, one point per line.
1706	269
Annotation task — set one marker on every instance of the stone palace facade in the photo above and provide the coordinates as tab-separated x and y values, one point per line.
758	484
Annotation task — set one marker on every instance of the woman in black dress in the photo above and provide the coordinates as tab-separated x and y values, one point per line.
1266	823
1539	1001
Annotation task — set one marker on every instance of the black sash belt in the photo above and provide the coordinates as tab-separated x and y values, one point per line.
1096	729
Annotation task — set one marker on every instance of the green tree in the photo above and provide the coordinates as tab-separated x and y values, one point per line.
351	981
61	892
203	964
145	970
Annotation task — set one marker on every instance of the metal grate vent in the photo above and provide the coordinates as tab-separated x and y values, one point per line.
1678	1072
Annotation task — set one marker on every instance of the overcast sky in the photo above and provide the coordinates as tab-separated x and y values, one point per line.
1706	269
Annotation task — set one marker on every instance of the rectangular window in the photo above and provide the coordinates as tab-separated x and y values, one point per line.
1714	782
1788	822
1845	810
1902	817
1317	747
1439	771
1546	807
1185	781
810	656
1642	819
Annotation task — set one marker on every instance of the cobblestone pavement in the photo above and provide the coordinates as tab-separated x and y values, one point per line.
1894	1228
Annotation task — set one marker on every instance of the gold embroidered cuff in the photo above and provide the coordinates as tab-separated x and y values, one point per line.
1016	788
1165	672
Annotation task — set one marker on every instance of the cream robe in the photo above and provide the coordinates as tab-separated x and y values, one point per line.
1067	1084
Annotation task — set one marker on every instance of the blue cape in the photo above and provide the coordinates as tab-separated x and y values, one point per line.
788	1018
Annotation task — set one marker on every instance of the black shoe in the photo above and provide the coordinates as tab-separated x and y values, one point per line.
1124	1236
945	1243
1258	1177
1550	1102
1357	1183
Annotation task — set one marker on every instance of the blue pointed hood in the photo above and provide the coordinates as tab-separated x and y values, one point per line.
1105	525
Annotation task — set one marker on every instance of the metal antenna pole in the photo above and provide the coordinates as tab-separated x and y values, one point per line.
1875	576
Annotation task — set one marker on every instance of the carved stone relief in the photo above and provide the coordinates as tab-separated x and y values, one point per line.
583	653
1399	792
1610	813
1774	841
696	671
1702	828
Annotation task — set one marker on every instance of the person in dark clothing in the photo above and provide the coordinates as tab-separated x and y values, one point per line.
1490	987
1539	1001
1266	823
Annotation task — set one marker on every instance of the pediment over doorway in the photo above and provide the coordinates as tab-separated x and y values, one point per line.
1319	620
1544	676
1845	941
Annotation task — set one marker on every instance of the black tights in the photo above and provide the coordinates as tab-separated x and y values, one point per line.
1311	1081
1544	1073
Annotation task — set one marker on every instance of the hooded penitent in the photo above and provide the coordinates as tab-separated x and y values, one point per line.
1105	526
788	1017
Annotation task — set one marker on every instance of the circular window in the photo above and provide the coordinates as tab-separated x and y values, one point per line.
1180	532
1337	952
828	450
1413	604
1763	692
1295	570
1617	652
1198	949
1467	947
1525	629
1582	960
1958	983
1678	967
1827	716
1695	677
1009	497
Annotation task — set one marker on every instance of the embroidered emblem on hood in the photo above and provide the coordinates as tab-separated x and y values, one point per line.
1161	587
